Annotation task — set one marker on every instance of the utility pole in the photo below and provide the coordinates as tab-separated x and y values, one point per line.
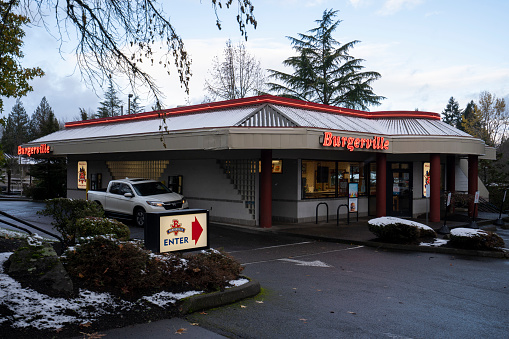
129	103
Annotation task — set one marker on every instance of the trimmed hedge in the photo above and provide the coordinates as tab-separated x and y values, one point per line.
400	231
92	226
474	239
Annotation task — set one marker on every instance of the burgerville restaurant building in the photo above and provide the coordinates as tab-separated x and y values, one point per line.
266	159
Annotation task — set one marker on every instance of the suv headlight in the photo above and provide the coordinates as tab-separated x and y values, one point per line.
183	200
155	203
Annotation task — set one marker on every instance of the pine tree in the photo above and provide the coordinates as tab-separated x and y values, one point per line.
452	114
43	121
136	107
467	114
110	107
16	129
324	72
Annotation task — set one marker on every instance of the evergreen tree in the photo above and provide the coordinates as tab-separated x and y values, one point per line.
43	121
324	72
16	129
50	179
452	115
467	114
110	107
136	107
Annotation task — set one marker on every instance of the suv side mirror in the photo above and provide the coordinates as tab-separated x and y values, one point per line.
128	195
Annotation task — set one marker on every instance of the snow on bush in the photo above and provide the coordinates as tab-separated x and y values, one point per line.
475	239
399	230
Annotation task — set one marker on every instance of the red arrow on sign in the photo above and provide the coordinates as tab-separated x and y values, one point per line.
197	230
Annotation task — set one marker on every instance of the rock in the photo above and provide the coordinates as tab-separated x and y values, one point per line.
39	268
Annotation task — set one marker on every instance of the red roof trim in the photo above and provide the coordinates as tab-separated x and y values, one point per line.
263	99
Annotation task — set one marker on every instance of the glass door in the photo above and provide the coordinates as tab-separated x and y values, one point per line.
400	189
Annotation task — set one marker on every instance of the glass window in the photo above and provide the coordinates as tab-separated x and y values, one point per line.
329	179
372	178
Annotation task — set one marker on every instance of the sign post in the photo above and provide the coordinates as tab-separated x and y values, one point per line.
445	229
499	221
427	201
177	230
473	223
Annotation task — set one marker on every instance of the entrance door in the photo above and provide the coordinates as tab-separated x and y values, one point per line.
399	190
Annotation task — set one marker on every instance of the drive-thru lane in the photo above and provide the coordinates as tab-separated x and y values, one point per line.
318	289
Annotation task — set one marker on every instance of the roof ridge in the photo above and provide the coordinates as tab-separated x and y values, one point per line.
257	100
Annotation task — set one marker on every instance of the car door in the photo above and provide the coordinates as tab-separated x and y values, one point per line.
125	204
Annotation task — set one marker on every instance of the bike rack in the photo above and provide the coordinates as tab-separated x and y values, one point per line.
326	205
347	214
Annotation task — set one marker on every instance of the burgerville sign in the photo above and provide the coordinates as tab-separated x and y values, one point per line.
42	149
350	143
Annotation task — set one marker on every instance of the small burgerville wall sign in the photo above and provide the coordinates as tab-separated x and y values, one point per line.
350	143
42	149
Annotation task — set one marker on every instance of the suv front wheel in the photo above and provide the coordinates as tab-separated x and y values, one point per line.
139	217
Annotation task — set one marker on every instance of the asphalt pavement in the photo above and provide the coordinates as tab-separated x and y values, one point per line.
338	287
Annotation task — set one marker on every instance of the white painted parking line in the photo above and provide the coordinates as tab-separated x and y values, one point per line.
276	246
301	256
316	263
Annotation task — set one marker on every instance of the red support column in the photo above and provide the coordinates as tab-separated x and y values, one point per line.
473	174
381	184
434	208
266	189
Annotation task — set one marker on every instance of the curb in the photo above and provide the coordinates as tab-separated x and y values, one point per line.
216	299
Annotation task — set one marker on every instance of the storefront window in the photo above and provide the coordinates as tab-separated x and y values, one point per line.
372	178
330	179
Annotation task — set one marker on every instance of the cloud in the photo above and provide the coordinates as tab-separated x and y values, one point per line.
391	7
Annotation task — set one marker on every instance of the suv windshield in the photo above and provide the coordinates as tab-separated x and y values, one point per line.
151	188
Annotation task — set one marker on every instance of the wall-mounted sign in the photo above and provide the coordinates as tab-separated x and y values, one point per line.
277	166
425	178
178	230
82	175
378	143
353	194
42	149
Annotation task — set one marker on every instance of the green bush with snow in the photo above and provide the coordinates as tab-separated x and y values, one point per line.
475	239
397	230
92	226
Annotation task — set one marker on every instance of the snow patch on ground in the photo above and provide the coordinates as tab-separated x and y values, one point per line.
384	221
31	308
436	243
238	282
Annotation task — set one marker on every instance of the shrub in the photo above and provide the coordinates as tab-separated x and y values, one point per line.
66	212
92	226
474	239
398	230
211	270
126	269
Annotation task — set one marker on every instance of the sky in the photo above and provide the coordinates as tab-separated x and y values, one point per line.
425	50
